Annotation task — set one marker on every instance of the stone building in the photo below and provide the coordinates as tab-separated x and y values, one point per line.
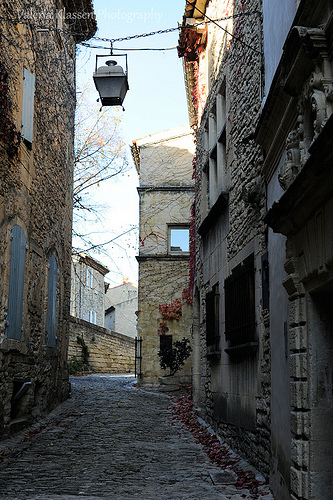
37	95
231	363
166	191
121	304
259	86
295	131
88	289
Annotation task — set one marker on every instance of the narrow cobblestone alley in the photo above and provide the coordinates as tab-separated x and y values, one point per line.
110	440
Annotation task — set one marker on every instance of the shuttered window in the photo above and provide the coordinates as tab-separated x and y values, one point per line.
213	318
51	327
240	304
14	323
28	106
265	281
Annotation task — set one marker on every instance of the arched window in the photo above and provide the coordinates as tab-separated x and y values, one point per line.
51	325
18	249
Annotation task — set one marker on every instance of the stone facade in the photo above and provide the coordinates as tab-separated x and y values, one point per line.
88	289
164	164
37	88
109	352
264	226
295	131
121	304
231	330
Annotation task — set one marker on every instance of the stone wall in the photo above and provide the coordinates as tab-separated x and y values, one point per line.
36	164
161	281
109	352
228	88
164	161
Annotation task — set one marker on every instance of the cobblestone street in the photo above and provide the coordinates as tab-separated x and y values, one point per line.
110	440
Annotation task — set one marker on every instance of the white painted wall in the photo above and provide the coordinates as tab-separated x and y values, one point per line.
124	299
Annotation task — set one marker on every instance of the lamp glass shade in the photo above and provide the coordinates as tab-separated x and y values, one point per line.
111	83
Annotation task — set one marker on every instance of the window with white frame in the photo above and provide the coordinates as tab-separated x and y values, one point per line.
89	277
92	317
179	239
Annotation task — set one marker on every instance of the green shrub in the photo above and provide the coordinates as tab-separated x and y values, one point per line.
85	350
80	365
174	358
76	366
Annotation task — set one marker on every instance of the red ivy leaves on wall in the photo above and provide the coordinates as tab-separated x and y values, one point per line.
191	44
169	312
156	236
8	132
174	309
188	292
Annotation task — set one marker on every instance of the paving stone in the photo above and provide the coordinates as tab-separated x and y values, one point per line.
110	440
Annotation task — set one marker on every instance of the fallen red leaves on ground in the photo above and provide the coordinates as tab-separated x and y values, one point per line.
31	434
219	453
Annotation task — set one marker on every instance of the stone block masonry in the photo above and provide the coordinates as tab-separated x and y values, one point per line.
37	74
109	352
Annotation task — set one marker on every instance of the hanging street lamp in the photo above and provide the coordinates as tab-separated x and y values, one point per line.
111	81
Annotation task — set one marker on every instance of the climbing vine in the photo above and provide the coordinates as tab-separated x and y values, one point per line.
9	135
191	44
169	312
188	292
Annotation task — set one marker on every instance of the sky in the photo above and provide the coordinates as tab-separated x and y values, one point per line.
155	102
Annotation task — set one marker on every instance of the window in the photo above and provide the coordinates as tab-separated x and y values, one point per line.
92	317
14	320
213	319
179	240
214	141
28	106
51	326
165	342
265	281
240	304
113	320
89	277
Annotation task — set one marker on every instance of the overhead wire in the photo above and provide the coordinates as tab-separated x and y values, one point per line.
141	35
161	49
226	31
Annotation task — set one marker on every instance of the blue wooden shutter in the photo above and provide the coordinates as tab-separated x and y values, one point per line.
52	303
28	105
18	250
